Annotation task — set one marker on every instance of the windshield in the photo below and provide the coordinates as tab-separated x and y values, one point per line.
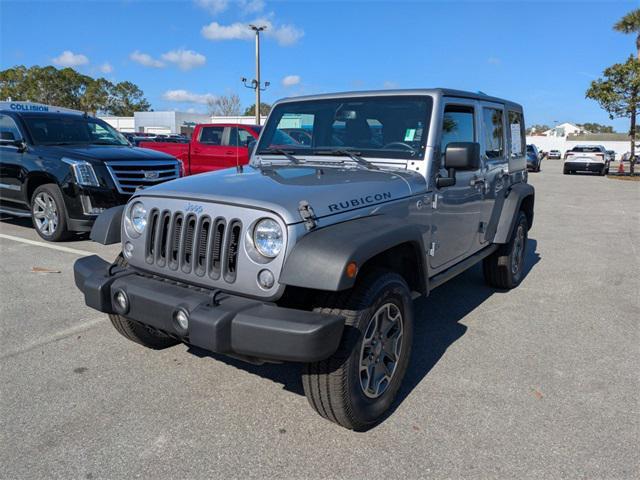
378	126
68	130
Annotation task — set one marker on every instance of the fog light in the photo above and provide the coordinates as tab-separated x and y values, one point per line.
128	249
121	301
266	279
182	320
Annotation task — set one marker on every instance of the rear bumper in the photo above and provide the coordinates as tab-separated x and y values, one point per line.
584	166
234	325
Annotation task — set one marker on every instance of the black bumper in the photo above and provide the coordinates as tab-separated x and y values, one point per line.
584	167
234	325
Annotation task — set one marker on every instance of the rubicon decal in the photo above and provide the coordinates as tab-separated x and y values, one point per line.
360	202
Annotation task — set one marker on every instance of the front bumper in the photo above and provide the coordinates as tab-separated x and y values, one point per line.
584	166
234	325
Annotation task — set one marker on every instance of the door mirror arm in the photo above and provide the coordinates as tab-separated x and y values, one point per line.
448	181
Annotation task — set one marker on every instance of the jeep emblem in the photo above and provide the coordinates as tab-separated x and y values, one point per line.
192	207
152	175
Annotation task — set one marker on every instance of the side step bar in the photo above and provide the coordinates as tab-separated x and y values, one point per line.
14	212
458	268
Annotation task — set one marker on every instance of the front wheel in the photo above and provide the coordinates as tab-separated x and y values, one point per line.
504	268
49	213
356	385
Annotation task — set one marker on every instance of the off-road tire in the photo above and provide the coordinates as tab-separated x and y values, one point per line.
498	267
333	386
61	232
137	332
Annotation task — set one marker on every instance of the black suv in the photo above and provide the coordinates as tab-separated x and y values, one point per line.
62	170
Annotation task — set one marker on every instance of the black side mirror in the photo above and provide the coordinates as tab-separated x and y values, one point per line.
462	156
251	146
459	156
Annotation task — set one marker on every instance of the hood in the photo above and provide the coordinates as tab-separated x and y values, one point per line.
104	152
328	189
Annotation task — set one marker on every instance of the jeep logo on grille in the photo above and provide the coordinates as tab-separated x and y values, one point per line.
152	175
192	207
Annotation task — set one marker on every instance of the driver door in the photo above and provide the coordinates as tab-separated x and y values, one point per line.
456	217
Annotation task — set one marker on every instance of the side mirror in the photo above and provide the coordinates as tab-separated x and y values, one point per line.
19	144
251	146
462	156
459	156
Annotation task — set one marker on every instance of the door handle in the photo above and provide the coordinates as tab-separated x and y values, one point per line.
229	152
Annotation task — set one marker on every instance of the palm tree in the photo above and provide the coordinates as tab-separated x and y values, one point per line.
630	23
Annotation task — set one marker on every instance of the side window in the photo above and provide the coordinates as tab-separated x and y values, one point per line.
493	132
516	132
8	129
211	135
239	137
457	125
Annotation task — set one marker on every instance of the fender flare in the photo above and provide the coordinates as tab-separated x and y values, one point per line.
512	205
319	260
107	227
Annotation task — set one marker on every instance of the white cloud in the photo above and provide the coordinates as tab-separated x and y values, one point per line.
106	67
235	31
214	6
146	60
291	80
251	6
185	59
185	96
70	59
285	35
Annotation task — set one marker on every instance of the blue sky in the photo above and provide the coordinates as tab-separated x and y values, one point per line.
542	54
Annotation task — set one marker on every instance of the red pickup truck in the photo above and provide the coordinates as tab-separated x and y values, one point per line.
212	147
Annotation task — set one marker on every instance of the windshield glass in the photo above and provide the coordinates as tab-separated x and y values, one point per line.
67	130
380	127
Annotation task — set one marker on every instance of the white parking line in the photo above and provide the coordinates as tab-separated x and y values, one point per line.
52	246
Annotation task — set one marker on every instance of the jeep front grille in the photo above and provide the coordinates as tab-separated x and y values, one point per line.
129	175
189	243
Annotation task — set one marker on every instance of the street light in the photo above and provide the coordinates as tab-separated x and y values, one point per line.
255	84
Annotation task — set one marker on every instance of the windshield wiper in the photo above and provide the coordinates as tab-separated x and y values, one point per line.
279	151
355	156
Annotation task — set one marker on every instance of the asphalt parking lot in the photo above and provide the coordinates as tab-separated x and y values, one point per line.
539	382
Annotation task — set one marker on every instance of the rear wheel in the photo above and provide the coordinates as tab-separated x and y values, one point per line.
504	268
49	213
137	332
356	385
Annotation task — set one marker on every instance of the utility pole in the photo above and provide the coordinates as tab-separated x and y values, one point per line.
256	82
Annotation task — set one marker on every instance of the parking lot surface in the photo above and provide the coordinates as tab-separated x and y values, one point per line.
538	382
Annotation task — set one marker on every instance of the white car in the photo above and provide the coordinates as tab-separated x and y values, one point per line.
554	154
587	158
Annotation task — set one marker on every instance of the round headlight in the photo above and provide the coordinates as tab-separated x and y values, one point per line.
136	219
267	238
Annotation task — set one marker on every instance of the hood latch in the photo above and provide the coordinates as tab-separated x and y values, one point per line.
307	215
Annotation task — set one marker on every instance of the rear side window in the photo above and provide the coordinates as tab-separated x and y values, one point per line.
517	135
239	137
211	135
8	129
457	125
493	132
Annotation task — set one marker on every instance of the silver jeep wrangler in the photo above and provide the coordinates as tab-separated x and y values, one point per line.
314	251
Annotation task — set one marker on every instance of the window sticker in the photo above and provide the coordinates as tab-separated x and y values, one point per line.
516	141
410	134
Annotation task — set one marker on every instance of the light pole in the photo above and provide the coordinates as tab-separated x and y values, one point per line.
256	83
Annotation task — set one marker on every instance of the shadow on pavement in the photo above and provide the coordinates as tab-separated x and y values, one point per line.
436	328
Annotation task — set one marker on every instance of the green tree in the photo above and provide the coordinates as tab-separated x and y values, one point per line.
618	92
67	88
126	98
265	108
630	23
597	128
537	129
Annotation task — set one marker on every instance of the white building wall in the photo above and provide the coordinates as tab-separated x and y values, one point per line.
122	124
237	119
562	144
